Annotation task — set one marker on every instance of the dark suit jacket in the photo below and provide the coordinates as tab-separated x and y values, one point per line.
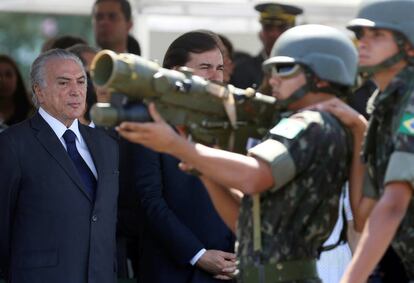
51	231
248	72
178	220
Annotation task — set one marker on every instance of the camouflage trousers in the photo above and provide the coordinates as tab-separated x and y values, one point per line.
298	271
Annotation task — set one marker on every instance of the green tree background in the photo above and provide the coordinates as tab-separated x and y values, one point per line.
22	35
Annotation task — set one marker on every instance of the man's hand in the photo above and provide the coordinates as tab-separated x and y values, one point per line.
157	135
221	264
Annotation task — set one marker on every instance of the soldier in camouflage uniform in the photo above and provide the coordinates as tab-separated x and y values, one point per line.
293	179
385	30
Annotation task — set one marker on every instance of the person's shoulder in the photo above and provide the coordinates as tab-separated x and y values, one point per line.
319	118
16	129
17	138
408	86
309	117
297	124
403	82
314	123
249	61
107	136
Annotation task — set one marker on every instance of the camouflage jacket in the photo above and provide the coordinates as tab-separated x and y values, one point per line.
309	154
389	151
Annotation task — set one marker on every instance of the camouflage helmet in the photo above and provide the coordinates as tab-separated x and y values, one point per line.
394	15
324	50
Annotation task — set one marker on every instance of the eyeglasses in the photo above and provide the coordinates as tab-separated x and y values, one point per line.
286	70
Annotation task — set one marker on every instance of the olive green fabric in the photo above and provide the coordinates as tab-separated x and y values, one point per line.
396	170
276	154
368	188
389	152
297	217
290	271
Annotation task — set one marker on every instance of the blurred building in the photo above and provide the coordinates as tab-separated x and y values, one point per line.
158	22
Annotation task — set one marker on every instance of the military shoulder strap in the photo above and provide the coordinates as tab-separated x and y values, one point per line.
342	239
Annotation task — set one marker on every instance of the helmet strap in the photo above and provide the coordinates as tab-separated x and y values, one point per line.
299	93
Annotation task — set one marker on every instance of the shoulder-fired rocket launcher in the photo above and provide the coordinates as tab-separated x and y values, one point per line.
214	114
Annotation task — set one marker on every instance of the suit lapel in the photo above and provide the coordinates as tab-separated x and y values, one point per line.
51	143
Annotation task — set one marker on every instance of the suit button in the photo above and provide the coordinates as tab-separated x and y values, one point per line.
94	218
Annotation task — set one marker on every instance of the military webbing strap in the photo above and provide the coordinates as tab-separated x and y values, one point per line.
342	239
286	271
257	235
369	71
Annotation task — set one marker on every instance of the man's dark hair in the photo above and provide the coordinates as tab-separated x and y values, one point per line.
79	49
133	45
227	44
125	7
198	41
66	41
62	42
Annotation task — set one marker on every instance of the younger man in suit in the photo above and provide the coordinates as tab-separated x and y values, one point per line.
184	239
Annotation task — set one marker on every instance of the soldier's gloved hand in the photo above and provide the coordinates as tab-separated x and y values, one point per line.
219	263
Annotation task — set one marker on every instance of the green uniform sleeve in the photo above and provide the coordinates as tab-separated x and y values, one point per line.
400	168
277	155
290	147
401	163
368	189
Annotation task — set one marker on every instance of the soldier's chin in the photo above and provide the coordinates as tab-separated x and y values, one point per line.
365	63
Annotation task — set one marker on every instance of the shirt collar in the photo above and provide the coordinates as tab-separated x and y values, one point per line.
58	127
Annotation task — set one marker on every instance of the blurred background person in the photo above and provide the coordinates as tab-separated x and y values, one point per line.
133	45
15	105
112	22
275	18
228	51
62	42
86	54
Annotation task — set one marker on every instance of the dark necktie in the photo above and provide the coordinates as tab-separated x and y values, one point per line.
84	171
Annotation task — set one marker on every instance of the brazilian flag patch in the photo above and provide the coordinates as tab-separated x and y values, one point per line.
288	128
407	124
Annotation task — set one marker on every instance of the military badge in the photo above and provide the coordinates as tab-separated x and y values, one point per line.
407	124
288	128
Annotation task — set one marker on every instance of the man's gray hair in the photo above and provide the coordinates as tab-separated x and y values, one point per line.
37	71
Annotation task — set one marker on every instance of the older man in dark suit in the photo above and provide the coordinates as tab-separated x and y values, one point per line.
59	184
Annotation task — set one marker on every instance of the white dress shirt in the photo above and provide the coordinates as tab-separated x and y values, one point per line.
59	129
198	255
